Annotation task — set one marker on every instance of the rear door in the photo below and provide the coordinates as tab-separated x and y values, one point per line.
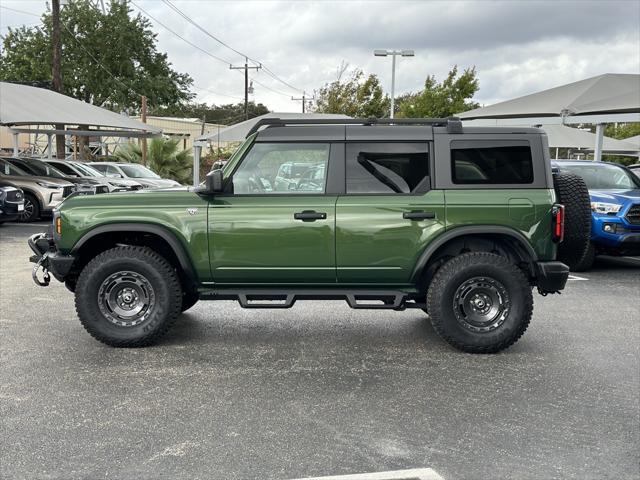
388	213
268	232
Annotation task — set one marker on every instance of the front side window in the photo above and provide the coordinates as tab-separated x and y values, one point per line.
386	167
486	163
277	168
137	171
66	169
8	169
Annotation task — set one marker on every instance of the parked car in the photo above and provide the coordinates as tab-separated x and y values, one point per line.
134	171
289	174
635	169
615	206
11	202
35	166
79	169
396	224
41	194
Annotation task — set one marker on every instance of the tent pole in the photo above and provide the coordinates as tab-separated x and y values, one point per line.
49	153
557	153
597	154
197	151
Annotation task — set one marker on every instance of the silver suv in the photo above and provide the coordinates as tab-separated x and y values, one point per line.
41	194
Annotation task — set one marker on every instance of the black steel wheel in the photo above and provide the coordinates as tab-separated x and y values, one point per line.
128	296
480	302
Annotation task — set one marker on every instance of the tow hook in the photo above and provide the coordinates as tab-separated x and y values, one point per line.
46	278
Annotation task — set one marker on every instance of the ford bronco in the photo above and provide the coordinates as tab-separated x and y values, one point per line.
462	223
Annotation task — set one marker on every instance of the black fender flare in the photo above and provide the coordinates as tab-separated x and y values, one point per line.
161	231
457	232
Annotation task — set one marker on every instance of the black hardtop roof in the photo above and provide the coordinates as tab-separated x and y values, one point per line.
371	128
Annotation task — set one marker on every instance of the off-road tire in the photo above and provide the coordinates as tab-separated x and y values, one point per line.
466	267
189	299
166	294
587	261
30	199
572	192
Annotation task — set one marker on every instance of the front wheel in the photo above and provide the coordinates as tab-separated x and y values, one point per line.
128	296
480	302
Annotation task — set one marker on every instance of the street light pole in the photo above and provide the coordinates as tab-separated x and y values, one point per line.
394	54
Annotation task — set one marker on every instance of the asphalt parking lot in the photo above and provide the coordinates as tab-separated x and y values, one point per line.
319	390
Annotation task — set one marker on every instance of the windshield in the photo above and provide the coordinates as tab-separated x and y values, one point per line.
603	176
7	169
87	170
137	171
44	170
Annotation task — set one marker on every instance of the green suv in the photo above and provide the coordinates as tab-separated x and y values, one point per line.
386	214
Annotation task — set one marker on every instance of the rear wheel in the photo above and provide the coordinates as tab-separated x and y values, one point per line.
31	210
587	261
128	297
573	193
480	302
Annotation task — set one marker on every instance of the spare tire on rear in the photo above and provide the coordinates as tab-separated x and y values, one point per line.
572	192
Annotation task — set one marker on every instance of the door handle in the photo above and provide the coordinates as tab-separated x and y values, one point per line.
419	215
309	216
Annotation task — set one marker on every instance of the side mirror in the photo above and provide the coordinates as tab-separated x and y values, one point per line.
214	181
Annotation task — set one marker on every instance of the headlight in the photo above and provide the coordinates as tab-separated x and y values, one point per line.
48	185
601	207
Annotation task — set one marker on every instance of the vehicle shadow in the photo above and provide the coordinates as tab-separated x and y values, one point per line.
606	263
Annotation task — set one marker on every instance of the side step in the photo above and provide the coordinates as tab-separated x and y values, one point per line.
276	298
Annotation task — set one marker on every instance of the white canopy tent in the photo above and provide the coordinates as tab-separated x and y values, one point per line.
239	131
561	136
608	98
22	105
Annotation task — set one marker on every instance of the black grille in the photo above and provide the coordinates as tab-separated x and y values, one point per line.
136	187
102	189
633	215
15	196
66	191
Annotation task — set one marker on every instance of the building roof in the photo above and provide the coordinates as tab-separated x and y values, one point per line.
610	93
25	105
238	132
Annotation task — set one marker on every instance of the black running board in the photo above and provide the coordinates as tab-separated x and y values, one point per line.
274	298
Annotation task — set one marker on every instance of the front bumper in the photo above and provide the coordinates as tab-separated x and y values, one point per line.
48	258
551	276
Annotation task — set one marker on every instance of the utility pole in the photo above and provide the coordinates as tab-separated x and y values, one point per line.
304	100
56	71
246	69
143	140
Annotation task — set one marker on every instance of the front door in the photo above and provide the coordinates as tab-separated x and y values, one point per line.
276	224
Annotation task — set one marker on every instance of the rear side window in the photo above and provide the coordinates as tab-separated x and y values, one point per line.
488	163
387	167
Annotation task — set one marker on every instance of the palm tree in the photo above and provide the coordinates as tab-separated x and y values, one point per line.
163	157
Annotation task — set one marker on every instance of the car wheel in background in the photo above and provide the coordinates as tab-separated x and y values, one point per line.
587	261
572	192
31	210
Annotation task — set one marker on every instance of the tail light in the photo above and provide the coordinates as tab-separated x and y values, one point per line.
557	215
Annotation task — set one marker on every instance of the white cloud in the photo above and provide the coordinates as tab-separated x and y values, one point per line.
517	47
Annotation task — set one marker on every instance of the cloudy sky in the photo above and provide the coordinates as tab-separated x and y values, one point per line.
517	47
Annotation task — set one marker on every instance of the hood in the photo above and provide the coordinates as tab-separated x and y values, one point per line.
622	197
126	182
157	182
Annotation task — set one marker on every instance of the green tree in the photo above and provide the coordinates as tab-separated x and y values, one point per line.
621	131
109	59
223	114
357	96
164	157
444	99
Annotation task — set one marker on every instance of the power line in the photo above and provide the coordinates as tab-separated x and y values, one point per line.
20	11
188	19
216	93
215	57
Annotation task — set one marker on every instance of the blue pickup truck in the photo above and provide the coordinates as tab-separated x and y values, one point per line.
615	208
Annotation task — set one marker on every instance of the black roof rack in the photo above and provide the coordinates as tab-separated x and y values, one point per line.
453	124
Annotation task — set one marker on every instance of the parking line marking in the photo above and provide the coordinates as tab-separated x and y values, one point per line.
575	277
412	474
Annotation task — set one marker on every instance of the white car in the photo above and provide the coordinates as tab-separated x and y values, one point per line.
79	169
134	171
